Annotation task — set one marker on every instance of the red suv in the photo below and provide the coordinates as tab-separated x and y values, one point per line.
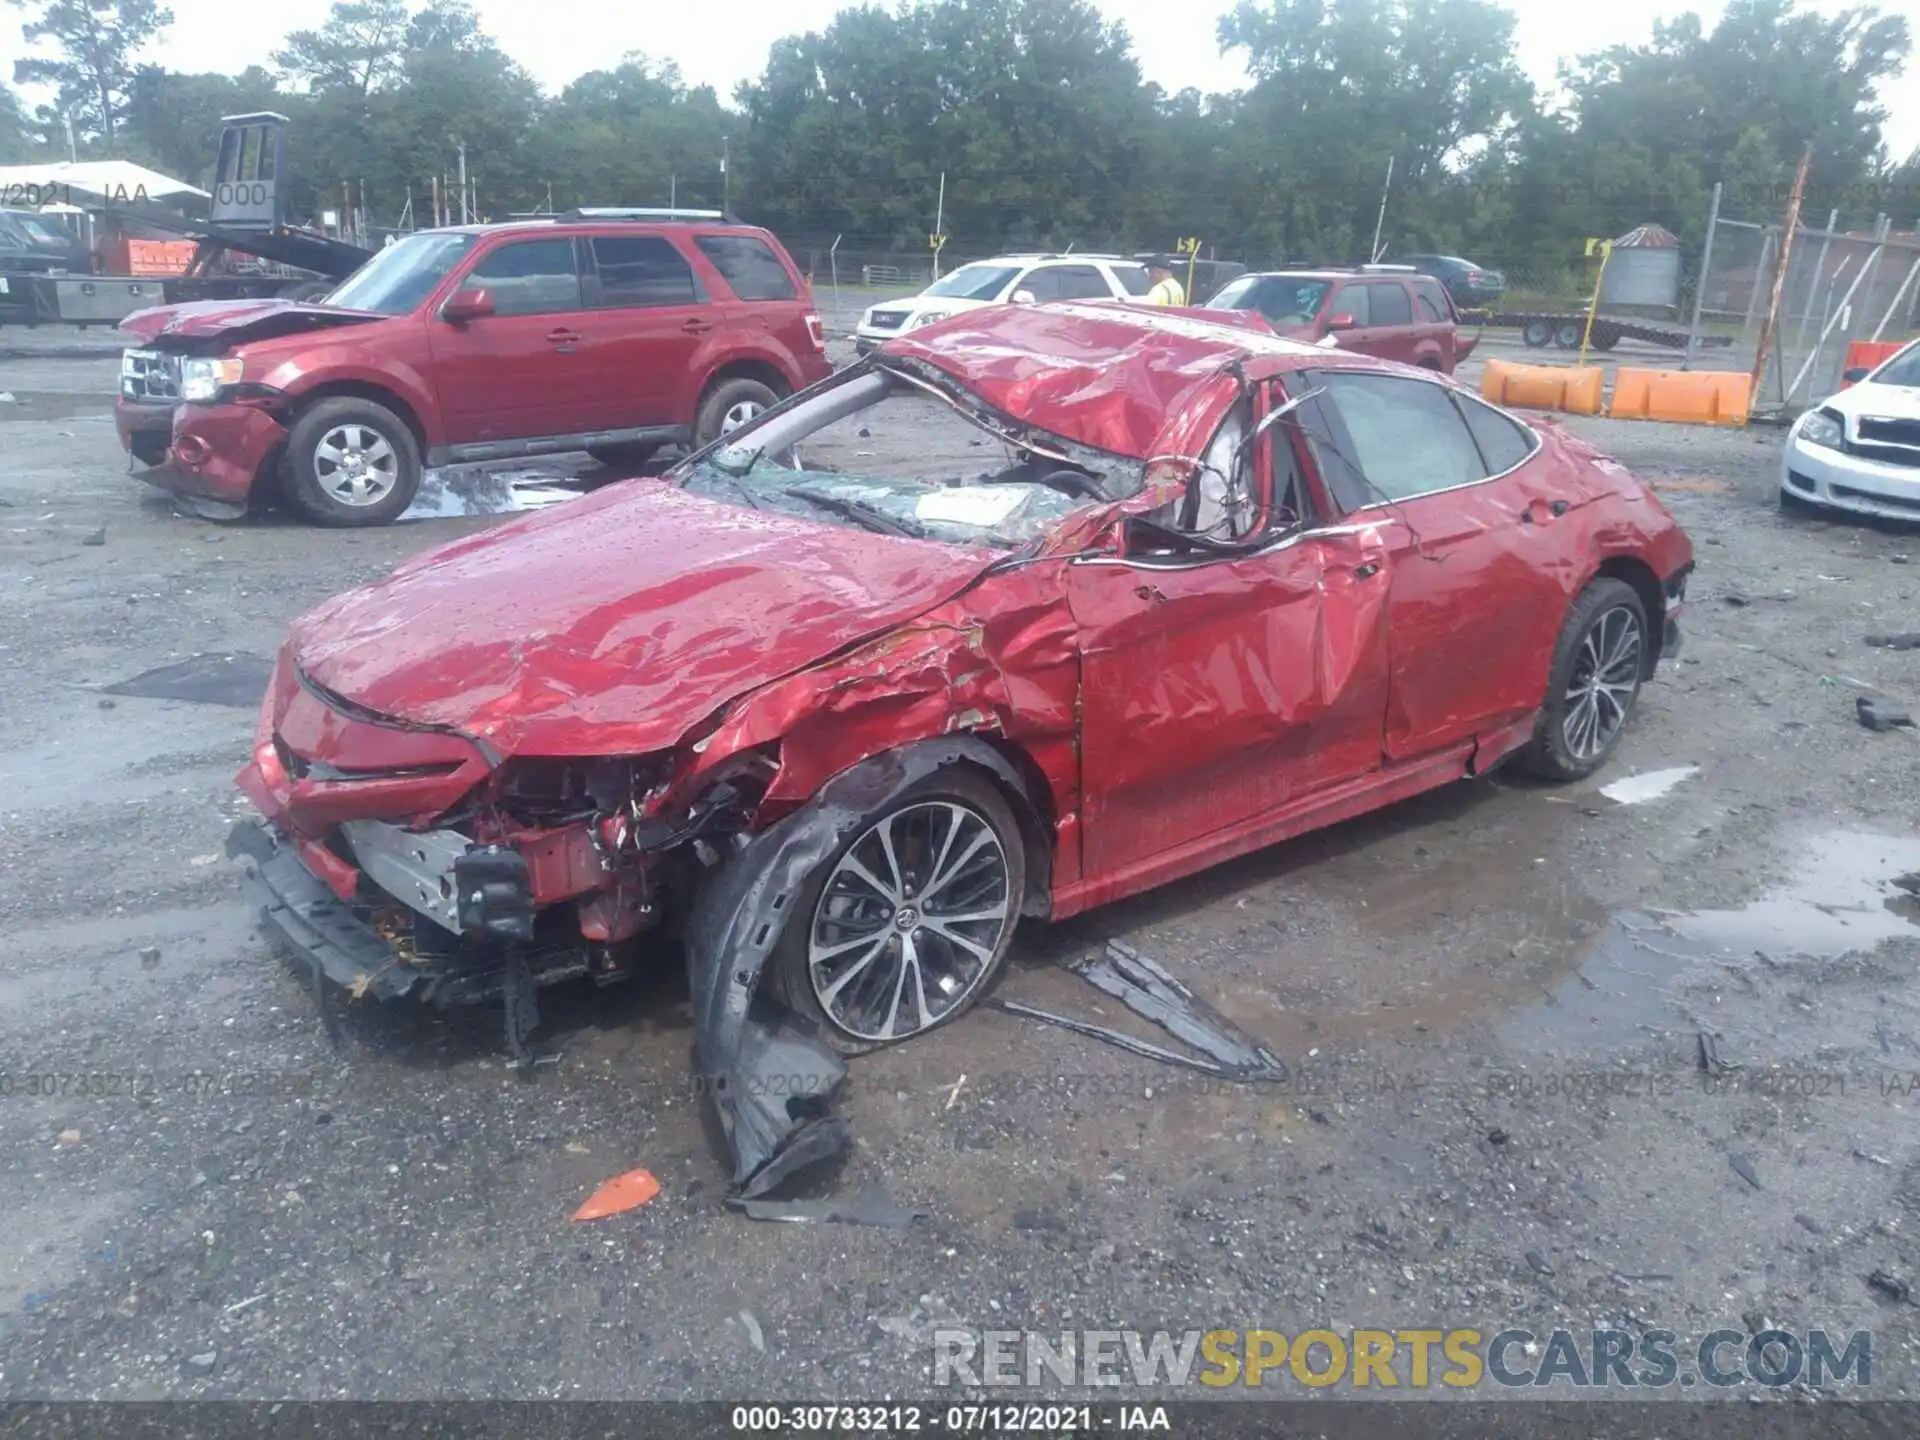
609	335
1389	311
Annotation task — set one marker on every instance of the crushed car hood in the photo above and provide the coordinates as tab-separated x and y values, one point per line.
1103	374
1895	402
234	320
617	623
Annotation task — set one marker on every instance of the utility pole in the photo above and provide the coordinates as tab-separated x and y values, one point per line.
1373	255
1771	318
726	180
673	192
72	153
463	181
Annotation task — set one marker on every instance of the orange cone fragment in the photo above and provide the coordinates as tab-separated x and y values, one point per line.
619	1195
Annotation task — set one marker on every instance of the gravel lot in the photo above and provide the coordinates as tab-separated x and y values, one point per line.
1491	996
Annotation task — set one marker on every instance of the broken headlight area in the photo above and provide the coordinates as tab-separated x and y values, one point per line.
551	870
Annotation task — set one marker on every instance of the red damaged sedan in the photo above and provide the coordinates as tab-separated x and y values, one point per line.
1031	610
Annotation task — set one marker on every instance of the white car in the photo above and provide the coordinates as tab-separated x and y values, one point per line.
1018	279
1860	451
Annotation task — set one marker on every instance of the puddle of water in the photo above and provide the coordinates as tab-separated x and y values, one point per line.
1639	789
1840	900
446	495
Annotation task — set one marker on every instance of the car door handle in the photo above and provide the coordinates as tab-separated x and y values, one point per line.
562	337
1366	571
697	327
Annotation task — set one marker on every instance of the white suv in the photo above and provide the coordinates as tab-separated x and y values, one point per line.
1019	279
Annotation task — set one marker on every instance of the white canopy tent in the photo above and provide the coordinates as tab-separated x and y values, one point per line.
114	181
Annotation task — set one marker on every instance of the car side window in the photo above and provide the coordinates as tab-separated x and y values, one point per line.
1387	304
641	270
1504	443
1426	299
749	266
1043	284
1351	300
1219	504
1080	282
1407	437
529	277
1134	279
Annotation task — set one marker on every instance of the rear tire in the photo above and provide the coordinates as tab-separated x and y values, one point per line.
1536	334
1567	334
820	965
728	405
1598	663
352	462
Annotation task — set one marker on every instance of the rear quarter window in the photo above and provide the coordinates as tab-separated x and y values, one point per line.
1429	300
1133	278
749	266
1505	443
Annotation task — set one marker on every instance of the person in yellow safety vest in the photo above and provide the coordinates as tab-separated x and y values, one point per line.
1166	290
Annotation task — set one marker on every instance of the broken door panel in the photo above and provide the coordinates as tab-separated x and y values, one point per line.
1217	691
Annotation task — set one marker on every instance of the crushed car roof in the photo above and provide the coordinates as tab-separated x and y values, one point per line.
1103	374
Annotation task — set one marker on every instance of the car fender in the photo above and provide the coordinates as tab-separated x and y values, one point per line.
1004	668
299	378
724	349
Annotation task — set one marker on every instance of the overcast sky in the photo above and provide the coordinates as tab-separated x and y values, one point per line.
727	42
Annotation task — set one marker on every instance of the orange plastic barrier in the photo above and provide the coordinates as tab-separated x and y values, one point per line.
1865	355
1705	397
159	257
1576	390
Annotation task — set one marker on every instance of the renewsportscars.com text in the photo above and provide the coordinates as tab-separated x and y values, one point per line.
1407	1359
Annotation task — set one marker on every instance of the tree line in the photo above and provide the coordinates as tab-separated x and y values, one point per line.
1037	114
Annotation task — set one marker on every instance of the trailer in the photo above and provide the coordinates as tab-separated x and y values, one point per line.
1564	331
245	217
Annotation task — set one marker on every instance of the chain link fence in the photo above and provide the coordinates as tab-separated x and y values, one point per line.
1838	286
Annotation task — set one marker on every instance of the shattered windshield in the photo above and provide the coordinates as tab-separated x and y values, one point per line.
402	275
884	453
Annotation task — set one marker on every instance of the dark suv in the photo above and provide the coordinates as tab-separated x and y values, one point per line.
612	335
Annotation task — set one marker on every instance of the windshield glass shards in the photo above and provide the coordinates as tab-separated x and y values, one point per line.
887	453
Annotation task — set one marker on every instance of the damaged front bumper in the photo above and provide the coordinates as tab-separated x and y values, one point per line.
373	946
217	451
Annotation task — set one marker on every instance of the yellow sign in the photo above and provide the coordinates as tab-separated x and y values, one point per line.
1189	246
1603	247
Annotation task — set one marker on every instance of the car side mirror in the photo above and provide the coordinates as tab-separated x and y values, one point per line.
1342	321
1023	297
465	306
1855	375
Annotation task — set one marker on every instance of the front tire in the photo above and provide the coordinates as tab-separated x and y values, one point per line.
905	926
1598	664
352	462
728	406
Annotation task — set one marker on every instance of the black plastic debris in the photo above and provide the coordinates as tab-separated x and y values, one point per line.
236	680
1145	988
1908	641
872	1206
1539	1262
1909	883
1711	1060
1743	1167
1890	1285
1882	715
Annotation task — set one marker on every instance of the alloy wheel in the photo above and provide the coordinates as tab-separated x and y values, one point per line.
910	921
739	414
356	465
1606	674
